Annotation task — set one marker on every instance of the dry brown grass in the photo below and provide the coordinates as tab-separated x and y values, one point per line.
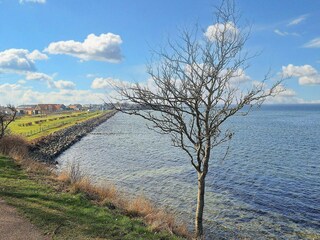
95	192
75	180
14	146
63	176
158	219
139	206
32	166
107	194
79	182
17	148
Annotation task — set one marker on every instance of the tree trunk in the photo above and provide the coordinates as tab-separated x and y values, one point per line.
200	206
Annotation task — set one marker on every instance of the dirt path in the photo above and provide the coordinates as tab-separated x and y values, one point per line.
14	227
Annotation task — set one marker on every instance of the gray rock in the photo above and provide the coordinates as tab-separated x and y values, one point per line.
51	146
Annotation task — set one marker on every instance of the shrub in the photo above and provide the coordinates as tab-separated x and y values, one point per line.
14	146
75	173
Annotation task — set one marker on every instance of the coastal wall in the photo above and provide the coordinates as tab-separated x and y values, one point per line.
49	147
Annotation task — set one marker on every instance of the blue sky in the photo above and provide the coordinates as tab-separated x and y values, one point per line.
65	51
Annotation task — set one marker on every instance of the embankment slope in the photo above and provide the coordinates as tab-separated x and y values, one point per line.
49	147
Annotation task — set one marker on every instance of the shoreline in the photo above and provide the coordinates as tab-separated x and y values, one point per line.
36	162
48	148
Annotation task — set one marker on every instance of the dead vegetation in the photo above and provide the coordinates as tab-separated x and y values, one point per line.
14	146
75	180
107	195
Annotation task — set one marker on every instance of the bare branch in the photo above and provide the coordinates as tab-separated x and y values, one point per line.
194	90
7	116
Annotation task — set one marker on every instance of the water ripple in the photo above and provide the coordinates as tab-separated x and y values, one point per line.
268	187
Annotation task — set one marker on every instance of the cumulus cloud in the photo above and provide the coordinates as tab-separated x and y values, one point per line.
17	95
297	20
38	76
284	92
62	84
19	60
22	81
16	60
107	83
9	87
239	76
314	43
216	31
285	96
101	83
306	74
310	80
37	55
298	71
105	47
32	1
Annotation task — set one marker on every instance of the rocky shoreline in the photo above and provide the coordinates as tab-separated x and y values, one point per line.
51	146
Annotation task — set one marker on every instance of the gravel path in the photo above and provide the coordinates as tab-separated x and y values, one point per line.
14	227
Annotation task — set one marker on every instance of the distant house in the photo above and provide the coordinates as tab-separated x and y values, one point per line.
40	109
26	109
75	107
94	107
48	108
61	107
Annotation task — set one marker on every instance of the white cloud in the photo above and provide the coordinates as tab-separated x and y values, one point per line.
38	76
16	60
310	80
105	47
17	95
108	83
283	34
32	1
298	71
9	87
61	84
19	60
297	20
307	74
215	32
240	76
37	55
277	31
91	75
314	43
101	83
284	96
284	92
22	81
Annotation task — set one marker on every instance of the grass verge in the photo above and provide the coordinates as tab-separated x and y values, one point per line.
62	214
33	127
156	218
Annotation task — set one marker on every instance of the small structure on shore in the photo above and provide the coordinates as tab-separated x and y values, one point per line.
40	109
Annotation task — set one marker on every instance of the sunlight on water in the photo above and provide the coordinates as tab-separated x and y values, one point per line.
269	185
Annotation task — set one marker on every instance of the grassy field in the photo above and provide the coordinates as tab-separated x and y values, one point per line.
33	127
63	215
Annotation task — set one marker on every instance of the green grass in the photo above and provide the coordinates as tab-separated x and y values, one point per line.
50	124
65	215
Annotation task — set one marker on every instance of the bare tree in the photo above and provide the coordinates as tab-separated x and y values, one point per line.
7	116
197	86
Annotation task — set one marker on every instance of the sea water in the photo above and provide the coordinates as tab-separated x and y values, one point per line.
267	186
